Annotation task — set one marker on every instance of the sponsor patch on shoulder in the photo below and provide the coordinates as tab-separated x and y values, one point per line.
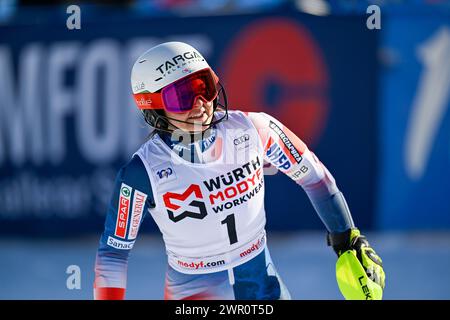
278	157
136	213
164	172
288	147
119	244
123	210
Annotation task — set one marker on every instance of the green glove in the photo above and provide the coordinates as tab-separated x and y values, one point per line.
359	270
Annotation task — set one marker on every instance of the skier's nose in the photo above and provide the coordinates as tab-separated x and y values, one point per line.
199	102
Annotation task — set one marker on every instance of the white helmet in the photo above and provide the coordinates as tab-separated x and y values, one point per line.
163	65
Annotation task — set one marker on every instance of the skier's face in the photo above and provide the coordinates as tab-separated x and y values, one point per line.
199	117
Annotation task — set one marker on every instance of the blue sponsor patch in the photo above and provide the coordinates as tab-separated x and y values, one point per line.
277	157
164	172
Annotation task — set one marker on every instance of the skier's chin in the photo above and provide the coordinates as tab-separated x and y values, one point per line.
200	126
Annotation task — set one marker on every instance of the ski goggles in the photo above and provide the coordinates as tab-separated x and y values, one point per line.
180	96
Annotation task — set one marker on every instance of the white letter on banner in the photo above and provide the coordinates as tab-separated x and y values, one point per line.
98	126
430	103
21	113
60	98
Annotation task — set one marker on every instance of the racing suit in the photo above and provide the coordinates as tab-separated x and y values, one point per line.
207	199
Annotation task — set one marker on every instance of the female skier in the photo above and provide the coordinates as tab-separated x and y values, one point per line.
200	176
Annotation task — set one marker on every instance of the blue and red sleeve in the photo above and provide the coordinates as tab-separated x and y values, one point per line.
290	155
132	197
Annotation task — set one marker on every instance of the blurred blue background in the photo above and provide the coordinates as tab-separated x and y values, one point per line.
373	104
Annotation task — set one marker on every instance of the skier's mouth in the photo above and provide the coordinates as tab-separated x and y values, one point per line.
198	115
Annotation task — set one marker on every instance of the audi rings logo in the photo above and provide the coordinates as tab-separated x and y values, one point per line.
241	139
164	173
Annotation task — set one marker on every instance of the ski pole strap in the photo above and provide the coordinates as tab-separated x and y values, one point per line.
342	241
